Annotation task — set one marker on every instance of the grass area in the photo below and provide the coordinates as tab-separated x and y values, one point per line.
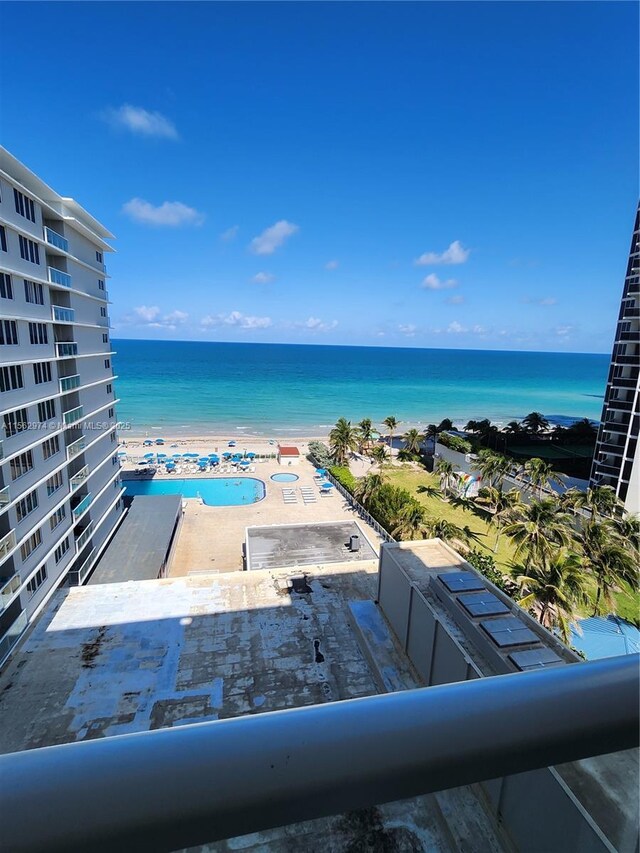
627	601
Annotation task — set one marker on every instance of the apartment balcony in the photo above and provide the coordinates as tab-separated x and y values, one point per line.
8	591
631	313
57	276
81	507
611	447
620	405
5	497
78	479
73	415
618	427
607	468
83	537
76	447
627	359
623	382
7	544
8	641
67	349
83	571
1	450
62	315
54	239
68	383
629	336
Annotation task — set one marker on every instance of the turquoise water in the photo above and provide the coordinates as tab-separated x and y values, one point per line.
170	388
284	478
219	491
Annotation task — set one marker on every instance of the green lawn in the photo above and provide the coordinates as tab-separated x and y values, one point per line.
628	602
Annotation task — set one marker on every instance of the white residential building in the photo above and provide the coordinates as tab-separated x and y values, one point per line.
60	489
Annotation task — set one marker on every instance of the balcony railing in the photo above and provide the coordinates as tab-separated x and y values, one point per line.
67	349
12	636
84	537
62	315
9	590
4	496
81	507
68	383
78	479
1	450
83	571
7	544
76	447
54	239
57	276
73	415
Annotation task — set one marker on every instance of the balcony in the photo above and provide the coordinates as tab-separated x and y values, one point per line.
610	447
54	239
67	349
12	636
82	507
68	383
617	426
76	447
78	479
4	496
7	544
629	336
73	415
83	538
83	571
57	276
62	315
1	450
627	359
607	468
623	382
9	590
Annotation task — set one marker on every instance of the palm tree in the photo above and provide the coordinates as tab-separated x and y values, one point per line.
391	423
431	431
611	563
410	521
445	471
514	427
540	474
505	505
367	487
429	491
534	422
493	467
343	438
412	440
445	424
552	591
628	529
366	433
540	528
379	454
442	528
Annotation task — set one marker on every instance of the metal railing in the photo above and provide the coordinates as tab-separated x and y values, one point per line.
57	276
53	238
78	479
68	383
82	507
84	537
7	543
283	767
9	590
73	415
5	497
12	635
67	349
62	315
76	447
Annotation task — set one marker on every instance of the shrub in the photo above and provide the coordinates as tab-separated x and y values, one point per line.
344	477
386	505
485	564
454	442
320	453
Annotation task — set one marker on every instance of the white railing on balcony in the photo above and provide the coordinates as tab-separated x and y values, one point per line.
76	447
78	479
67	349
62	315
82	507
68	383
83	571
1	450
57	276
84	537
8	641
9	590
4	496
73	415
7	543
54	239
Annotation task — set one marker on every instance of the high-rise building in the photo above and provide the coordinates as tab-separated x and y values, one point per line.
60	489
616	460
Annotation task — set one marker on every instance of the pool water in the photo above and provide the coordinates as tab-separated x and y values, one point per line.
284	478
218	491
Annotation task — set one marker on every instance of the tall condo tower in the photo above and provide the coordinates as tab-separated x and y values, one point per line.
616	460
60	489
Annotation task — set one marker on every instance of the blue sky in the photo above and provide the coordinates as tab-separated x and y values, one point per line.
421	174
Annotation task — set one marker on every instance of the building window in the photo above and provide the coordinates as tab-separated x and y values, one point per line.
58	517
3	238
8	333
15	422
99	257
107	364
100	284
26	505
46	410
103	311
38	333
33	292
42	372
109	415
20	465
50	447
6	288
29	250
36	581
54	483
114	460
61	550
31	544
118	504
109	388
113	437
11	378
105	339
24	205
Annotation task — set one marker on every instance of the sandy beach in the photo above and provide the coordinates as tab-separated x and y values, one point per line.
205	444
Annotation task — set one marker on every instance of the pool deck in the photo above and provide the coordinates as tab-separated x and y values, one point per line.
211	538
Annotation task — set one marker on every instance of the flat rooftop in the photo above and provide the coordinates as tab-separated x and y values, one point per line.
290	545
139	548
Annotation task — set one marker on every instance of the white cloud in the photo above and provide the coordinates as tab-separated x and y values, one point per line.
263	278
140	121
177	317
332	265
457	299
561	331
236	318
273	237
147	313
315	324
456	328
548	300
150	316
479	330
407	329
432	282
170	213
455	254
230	234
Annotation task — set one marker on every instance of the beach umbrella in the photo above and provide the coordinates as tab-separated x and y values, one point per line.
162	455
143	462
191	455
148	455
214	457
226	455
326	485
244	463
122	453
159	440
204	460
147	442
251	454
177	455
171	466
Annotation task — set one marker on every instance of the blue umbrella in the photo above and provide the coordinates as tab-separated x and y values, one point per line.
162	455
322	471
204	460
171	466
191	455
244	463
159	440
326	485
232	444
214	457
251	454
148	455
226	454
147	442
143	462
177	455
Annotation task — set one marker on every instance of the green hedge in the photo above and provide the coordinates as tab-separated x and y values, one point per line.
344	477
454	442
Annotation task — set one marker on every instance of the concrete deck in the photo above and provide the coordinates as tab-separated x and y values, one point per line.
277	546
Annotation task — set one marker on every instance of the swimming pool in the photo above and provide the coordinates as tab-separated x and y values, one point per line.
284	478
218	491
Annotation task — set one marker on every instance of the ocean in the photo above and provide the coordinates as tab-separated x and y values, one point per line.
279	390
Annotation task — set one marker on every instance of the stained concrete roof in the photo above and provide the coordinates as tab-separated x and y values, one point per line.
280	545
139	548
